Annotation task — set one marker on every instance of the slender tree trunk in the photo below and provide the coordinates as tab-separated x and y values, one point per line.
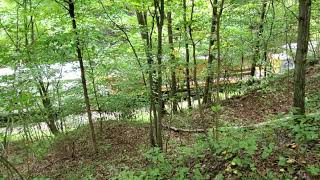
142	21
159	13
217	100
173	65
208	86
301	56
95	92
195	69
219	51
71	10
256	54
265	53
241	67
187	70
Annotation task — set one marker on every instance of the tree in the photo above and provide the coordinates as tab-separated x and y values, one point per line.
195	69
71	10
159	15
142	18
212	39
187	55
172	63
301	56
257	48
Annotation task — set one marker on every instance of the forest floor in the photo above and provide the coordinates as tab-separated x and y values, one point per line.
123	145
261	102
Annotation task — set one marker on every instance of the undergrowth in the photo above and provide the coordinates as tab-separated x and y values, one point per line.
286	150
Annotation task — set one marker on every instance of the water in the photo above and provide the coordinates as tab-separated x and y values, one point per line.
72	122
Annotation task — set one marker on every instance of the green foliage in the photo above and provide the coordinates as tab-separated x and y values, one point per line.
182	173
234	144
160	166
40	178
282	161
219	177
313	170
40	148
84	172
267	151
114	70
238	149
197	175
306	129
124	103
130	175
216	108
313	99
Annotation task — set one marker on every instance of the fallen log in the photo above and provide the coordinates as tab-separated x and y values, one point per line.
179	130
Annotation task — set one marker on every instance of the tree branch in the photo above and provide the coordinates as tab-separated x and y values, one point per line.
126	37
8	34
61	4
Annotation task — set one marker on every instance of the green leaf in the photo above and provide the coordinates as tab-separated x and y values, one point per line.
313	170
282	161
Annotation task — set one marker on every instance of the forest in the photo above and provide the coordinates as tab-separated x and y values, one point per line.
160	89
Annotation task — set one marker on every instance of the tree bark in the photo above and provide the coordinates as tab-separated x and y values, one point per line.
143	23
159	13
187	70
219	51
173	66
46	102
71	11
256	54
195	69
208	84
95	92
301	56
217	100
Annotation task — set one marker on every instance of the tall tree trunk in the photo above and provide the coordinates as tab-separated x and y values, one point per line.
256	54
142	21
95	92
159	13
187	70
219	51
71	11
173	65
208	86
217	100
195	69
265	53
301	56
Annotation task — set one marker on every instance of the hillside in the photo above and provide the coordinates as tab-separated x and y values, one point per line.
162	89
278	149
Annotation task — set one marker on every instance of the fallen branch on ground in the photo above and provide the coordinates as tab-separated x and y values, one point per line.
184	130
